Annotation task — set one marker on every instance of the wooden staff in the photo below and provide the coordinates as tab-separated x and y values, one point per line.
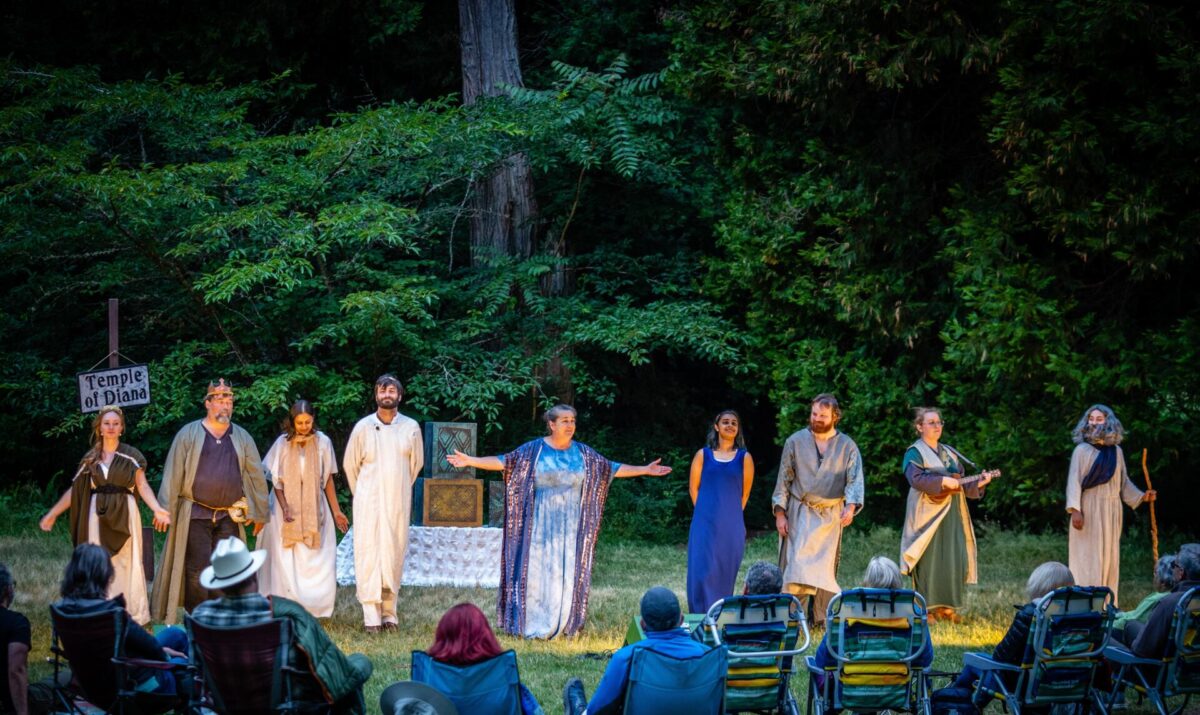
1153	520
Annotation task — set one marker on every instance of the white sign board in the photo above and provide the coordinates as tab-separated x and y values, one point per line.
121	386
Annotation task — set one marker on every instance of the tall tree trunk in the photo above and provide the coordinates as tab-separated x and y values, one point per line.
504	216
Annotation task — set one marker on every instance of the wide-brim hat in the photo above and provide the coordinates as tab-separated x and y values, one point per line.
409	697
232	563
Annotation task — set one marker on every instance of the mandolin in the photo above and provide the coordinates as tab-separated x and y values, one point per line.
963	481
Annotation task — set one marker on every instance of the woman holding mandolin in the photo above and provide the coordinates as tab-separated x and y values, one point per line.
938	545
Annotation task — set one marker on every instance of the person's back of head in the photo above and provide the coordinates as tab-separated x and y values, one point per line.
464	637
8	586
763	578
88	574
1188	560
1164	573
882	572
1048	577
233	569
660	610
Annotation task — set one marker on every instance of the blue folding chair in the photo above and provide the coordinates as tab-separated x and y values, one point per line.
1071	628
662	685
489	687
1177	673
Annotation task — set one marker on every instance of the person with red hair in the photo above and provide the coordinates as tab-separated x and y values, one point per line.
464	637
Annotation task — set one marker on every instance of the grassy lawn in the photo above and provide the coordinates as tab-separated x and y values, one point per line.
622	573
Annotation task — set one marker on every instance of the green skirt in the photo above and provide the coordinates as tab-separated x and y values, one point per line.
942	571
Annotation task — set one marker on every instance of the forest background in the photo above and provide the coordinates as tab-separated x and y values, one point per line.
651	210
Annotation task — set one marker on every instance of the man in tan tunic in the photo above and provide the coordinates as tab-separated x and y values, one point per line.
817	493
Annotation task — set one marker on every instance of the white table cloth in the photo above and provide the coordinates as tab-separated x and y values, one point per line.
439	556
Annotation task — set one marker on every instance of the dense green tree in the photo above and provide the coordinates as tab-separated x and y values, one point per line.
985	207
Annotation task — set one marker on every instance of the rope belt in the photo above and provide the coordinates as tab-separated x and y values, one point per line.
215	509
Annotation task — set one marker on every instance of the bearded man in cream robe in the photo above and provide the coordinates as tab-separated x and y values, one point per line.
817	493
383	458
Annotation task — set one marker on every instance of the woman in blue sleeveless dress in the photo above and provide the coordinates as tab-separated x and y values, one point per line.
721	475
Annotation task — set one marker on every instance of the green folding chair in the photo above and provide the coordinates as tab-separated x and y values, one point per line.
760	633
874	635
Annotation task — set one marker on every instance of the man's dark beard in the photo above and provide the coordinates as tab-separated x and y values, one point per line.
387	403
819	427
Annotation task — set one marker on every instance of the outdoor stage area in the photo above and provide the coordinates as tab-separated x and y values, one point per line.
622	573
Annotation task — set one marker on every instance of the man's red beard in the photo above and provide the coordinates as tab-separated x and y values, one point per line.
819	427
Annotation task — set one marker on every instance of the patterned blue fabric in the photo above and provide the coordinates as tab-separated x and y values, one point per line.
574	490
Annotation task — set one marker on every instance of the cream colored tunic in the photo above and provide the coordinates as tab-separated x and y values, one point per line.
812	491
1094	552
381	463
924	514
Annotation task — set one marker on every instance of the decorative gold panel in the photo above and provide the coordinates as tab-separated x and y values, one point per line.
452	502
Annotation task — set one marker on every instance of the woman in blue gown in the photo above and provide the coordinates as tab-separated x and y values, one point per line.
554	494
721	475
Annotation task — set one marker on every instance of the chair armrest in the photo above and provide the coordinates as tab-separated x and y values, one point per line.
1124	656
986	662
810	663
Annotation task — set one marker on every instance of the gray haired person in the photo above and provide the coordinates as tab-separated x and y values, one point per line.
763	577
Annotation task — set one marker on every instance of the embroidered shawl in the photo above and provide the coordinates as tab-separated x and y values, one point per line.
520	481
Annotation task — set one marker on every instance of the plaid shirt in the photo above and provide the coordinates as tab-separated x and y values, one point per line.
230	611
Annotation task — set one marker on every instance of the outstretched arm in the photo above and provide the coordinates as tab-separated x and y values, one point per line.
461	459
653	469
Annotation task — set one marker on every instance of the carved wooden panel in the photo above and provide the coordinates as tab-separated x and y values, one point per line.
442	438
452	502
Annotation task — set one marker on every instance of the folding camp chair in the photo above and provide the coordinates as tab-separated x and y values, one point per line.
1177	673
760	633
94	646
1071	627
247	670
489	687
662	685
874	635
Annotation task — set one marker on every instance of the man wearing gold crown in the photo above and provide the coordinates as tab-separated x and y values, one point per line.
212	483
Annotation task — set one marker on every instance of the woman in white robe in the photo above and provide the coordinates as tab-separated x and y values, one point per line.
299	539
1097	483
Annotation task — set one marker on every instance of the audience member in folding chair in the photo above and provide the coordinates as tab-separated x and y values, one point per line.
760	632
1052	651
247	669
1161	664
466	663
875	655
660	684
139	674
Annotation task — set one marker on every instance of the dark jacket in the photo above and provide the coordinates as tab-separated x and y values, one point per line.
1011	649
341	677
1152	641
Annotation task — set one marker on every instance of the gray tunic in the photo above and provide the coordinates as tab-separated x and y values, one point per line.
812	491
